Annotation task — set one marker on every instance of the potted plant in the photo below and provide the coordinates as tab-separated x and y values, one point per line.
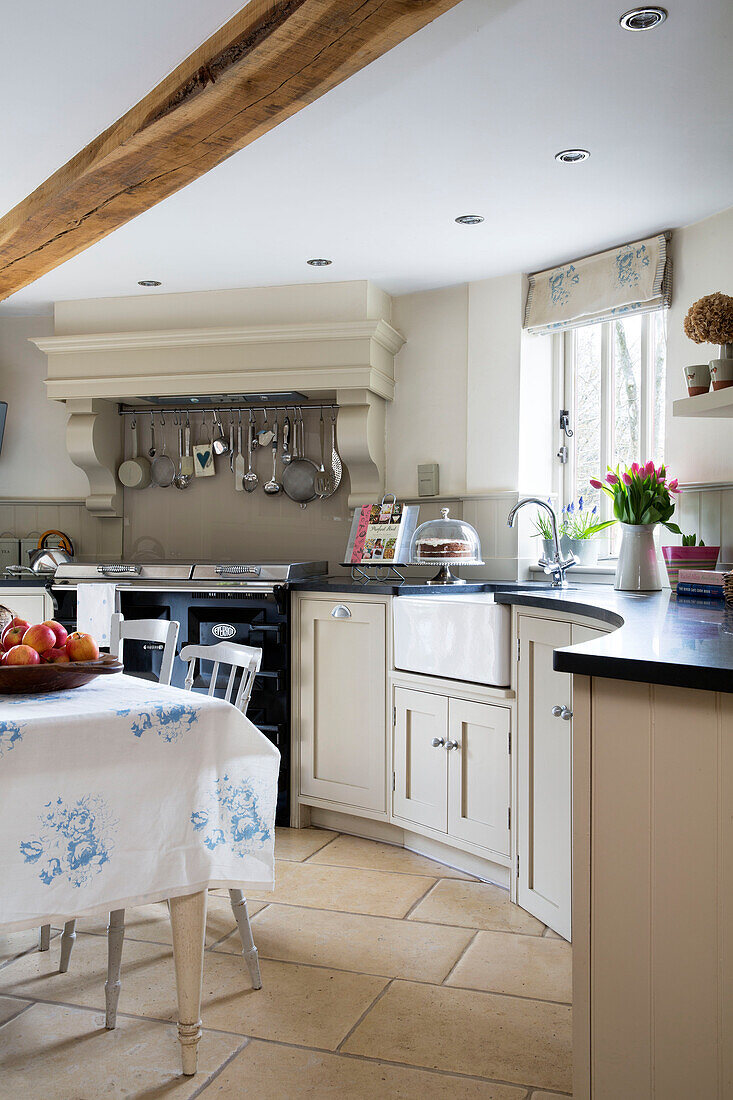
690	555
543	530
642	498
710	321
580	528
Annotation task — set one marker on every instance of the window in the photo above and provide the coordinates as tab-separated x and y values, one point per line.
614	375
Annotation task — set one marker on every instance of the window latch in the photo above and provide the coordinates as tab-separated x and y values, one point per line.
565	423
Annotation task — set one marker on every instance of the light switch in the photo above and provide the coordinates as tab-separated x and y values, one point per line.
428	479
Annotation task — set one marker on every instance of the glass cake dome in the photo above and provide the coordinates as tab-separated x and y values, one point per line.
445	542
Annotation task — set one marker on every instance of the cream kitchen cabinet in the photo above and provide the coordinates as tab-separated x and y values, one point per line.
341	702
544	768
452	769
32	604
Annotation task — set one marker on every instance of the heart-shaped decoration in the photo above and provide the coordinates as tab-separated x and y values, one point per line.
204	458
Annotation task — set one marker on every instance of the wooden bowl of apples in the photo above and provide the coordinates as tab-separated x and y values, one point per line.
42	657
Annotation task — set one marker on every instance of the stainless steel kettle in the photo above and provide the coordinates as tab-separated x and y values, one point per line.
46	559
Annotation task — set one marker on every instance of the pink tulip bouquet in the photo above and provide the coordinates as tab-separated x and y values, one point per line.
640	494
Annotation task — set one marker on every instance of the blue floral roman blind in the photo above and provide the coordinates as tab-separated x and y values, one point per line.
633	278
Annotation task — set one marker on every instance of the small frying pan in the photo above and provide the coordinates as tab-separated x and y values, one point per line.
299	476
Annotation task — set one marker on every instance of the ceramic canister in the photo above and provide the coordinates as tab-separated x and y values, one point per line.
721	372
697	378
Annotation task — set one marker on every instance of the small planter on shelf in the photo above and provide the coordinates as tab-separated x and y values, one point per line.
710	321
697	379
691	555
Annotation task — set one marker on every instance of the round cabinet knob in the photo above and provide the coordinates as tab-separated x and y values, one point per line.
451	745
562	712
340	612
438	742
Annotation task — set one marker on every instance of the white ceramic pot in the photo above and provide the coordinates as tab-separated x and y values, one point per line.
637	569
697	379
585	550
721	372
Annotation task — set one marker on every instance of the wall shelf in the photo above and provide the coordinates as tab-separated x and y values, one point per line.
713	403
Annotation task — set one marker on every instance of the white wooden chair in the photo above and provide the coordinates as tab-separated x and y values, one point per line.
243	663
146	630
139	630
246	661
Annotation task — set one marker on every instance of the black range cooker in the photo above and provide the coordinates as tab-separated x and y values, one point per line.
245	602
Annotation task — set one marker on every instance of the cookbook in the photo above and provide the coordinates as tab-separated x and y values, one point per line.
382	533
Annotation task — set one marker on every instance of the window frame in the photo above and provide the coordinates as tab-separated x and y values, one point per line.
564	359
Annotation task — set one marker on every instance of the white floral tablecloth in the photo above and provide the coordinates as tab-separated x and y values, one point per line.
122	792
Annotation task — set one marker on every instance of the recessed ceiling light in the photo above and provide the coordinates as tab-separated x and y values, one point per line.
469	219
572	156
149	282
643	19
319	262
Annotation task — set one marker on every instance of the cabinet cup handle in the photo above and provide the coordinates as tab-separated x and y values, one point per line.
340	612
562	712
452	745
438	742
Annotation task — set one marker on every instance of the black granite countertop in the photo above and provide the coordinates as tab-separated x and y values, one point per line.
656	638
386	588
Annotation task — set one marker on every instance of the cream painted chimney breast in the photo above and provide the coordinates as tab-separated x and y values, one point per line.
345	354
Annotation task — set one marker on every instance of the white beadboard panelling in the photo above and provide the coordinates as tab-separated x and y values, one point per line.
710	528
92	537
726	525
706	511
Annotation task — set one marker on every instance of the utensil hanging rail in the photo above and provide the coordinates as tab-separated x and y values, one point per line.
145	410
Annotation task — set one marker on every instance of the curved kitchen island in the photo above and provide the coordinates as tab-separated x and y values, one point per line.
652	816
652	847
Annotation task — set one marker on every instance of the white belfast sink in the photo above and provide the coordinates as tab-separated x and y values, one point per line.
458	637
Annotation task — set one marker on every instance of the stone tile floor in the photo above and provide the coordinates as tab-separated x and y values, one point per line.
385	975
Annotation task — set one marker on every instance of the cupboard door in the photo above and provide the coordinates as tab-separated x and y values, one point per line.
421	767
478	774
544	745
342	702
34	607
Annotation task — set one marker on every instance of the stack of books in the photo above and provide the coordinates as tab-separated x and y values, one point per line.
705	584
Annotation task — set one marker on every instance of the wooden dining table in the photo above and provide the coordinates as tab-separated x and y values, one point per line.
124	792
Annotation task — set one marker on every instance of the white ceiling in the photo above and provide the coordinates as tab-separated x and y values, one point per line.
464	117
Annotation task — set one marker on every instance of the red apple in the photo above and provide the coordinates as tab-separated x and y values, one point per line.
56	656
81	647
13	634
22	655
39	637
59	631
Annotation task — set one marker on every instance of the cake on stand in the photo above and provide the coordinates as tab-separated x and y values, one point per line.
445	542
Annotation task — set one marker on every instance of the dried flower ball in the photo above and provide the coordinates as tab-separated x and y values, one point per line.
710	320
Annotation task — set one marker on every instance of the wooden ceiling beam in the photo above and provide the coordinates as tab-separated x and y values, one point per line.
270	60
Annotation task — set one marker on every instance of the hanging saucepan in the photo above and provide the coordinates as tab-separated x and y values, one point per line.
299	476
134	472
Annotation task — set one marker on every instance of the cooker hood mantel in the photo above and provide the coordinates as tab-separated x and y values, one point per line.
351	359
